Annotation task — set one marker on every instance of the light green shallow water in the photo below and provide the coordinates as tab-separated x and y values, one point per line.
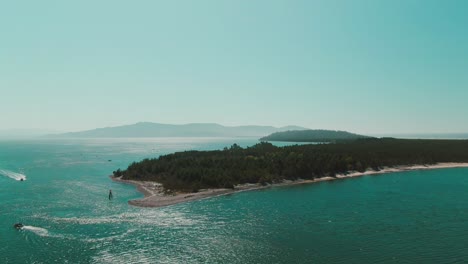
411	217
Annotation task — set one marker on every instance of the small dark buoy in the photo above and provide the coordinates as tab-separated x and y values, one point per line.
110	195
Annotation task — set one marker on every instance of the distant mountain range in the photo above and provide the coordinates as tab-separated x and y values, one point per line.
318	135
147	129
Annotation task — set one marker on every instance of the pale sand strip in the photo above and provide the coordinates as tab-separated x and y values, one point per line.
155	197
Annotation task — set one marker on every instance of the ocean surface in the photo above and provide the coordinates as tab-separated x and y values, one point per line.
410	217
426	136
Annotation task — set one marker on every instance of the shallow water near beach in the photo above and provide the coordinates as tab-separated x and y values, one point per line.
407	217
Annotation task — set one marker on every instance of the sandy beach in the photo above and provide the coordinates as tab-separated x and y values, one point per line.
155	196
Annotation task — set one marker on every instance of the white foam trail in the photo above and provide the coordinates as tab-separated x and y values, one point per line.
37	230
13	175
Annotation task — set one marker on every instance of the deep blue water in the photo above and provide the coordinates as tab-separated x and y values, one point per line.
410	217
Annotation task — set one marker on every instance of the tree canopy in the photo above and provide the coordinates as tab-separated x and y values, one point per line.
264	163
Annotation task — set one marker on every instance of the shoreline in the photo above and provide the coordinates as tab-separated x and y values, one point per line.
155	197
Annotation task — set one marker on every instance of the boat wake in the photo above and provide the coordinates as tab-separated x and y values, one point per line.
13	175
37	230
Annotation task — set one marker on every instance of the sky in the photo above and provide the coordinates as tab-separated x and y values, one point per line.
366	66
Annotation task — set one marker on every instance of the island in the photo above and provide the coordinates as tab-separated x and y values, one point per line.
149	130
191	175
312	135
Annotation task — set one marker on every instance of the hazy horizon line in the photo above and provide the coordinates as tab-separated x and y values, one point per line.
34	132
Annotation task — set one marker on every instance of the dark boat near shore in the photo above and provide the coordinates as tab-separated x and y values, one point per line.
18	226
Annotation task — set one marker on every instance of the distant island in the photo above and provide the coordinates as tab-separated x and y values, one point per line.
189	172
148	129
317	135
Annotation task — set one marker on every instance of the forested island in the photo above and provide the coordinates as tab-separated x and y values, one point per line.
312	135
265	163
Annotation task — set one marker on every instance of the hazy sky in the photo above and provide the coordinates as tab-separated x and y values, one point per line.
363	66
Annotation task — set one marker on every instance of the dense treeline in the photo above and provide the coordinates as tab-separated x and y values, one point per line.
318	135
265	163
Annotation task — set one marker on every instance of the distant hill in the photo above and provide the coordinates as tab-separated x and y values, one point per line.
318	135
147	129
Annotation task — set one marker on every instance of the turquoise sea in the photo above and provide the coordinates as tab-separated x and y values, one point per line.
410	217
